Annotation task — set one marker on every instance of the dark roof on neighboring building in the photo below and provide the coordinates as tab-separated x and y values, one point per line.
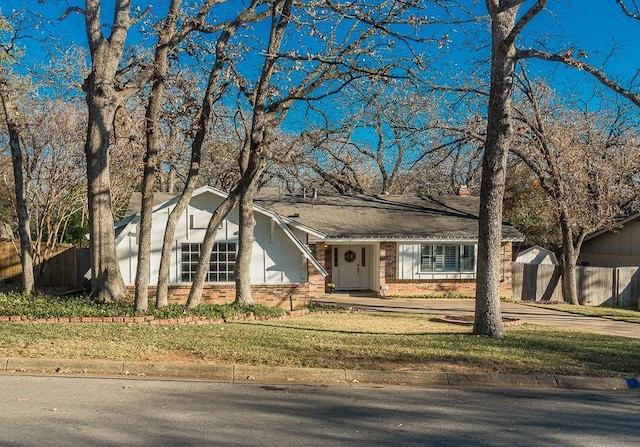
388	216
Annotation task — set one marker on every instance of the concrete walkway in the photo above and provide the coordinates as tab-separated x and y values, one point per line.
444	306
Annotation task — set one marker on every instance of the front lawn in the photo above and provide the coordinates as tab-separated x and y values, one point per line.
333	340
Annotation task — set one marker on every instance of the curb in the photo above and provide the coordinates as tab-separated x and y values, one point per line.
309	376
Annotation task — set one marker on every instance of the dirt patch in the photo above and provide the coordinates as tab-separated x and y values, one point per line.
468	320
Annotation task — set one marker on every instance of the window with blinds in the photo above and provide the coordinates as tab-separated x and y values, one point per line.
447	258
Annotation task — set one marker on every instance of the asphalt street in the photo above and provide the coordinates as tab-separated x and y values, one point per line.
66	411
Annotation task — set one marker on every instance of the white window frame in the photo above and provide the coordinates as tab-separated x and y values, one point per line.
221	266
446	259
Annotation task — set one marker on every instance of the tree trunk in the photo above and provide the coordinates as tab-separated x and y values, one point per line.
195	294
152	130
569	281
102	99
569	259
488	317
26	250
245	247
255	164
162	292
106	281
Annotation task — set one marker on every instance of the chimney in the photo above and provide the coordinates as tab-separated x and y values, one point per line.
463	191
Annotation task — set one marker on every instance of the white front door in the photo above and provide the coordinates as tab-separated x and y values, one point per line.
353	268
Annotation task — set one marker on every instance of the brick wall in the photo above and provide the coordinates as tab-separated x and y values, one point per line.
317	283
407	287
285	296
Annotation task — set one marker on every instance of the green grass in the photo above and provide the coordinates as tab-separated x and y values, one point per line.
335	340
340	339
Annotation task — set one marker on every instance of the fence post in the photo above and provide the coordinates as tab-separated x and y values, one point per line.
615	286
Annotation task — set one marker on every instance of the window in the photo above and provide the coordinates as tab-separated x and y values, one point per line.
222	265
447	258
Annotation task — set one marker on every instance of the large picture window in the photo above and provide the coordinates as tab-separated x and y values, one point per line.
447	258
222	265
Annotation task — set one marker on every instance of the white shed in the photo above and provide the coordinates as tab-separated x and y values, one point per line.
536	255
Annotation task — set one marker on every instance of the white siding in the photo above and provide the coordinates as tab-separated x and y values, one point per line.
275	259
408	261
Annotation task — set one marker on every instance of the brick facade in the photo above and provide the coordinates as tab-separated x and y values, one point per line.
317	283
407	287
296	296
284	296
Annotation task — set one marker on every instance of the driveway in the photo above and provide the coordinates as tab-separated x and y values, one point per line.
460	306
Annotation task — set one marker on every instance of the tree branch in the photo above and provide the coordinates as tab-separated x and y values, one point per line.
567	59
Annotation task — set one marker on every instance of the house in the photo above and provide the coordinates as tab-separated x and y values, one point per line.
619	247
390	245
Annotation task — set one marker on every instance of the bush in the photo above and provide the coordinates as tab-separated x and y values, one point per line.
47	306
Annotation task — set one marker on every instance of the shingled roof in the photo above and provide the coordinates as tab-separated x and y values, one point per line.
384	217
373	217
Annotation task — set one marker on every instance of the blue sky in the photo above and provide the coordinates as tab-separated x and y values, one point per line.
595	26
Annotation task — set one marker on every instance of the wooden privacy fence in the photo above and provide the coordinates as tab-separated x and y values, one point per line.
597	286
64	267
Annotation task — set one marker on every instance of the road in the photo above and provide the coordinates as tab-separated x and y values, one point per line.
68	411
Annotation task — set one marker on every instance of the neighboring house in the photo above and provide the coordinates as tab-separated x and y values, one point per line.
619	247
393	245
536	255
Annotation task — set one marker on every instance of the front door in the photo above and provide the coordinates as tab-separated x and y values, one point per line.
353	267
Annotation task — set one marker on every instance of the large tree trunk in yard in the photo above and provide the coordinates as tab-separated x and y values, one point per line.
103	96
569	281
152	131
212	91
488	317
569	259
256	163
26	250
106	280
245	246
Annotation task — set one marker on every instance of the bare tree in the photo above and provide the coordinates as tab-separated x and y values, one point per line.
12	117
506	25
169	36
586	162
104	94
15	128
348	49
216	83
54	171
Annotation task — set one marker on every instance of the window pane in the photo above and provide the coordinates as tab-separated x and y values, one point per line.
468	258
223	258
447	258
451	258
